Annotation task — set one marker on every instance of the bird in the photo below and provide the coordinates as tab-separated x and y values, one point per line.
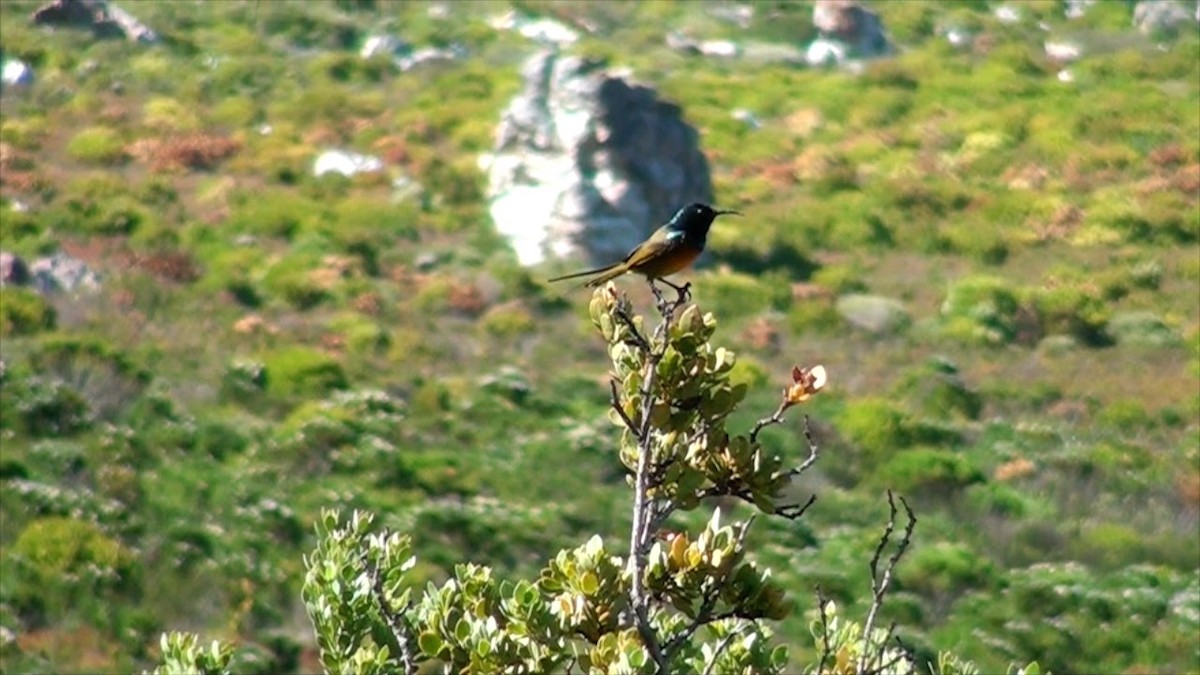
670	249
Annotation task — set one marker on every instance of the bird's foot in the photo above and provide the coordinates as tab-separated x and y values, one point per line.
682	293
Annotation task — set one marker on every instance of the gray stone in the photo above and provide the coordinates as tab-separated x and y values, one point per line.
1007	14
588	163
848	31
873	313
383	45
1075	9
13	270
60	273
1159	16
103	18
544	30
1063	51
428	55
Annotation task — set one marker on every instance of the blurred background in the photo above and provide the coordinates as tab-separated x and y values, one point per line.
261	258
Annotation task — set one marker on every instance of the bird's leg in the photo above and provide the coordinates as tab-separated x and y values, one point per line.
684	292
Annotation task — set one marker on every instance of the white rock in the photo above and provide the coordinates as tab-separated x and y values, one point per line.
824	52
1063	51
16	72
377	45
722	48
345	162
549	31
750	119
1007	14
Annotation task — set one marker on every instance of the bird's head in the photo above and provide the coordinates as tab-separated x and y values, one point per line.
696	218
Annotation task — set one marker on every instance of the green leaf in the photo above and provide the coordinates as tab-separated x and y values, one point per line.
588	583
430	643
462	630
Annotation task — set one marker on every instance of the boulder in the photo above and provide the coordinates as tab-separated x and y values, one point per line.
13	270
62	273
588	163
1164	16
848	30
345	162
873	313
103	18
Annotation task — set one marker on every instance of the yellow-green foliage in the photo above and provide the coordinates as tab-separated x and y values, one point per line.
24	312
97	145
57	547
302	371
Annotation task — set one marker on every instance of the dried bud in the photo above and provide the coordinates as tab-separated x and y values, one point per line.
806	382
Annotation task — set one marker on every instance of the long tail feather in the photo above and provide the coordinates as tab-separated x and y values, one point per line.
616	271
587	273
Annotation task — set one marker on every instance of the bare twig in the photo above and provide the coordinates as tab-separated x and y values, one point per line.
642	529
401	629
775	418
616	405
881	581
638	339
639	531
812	451
795	511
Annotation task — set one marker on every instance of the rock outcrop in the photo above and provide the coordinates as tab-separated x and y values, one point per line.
588	163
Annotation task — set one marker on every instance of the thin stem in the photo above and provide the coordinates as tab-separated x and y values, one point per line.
642	528
775	418
616	405
401	630
880	582
721	646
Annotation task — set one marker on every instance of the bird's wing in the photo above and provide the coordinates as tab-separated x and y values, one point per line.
663	238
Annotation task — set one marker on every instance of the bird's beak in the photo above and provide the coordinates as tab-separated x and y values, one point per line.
722	212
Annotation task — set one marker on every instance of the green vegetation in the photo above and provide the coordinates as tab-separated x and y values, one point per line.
268	345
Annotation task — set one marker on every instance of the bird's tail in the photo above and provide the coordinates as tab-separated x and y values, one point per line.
607	272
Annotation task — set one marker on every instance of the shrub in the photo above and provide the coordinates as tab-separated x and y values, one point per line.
927	472
508	321
1072	311
24	312
877	426
63	564
302	371
97	145
981	310
294	280
939	391
947	568
361	336
276	213
104	376
244	380
46	407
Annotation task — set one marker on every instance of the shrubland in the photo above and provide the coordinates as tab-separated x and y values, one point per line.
268	347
